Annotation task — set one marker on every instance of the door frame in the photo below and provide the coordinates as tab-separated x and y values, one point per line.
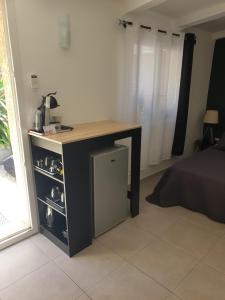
17	86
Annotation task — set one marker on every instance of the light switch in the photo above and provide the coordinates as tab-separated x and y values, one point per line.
34	82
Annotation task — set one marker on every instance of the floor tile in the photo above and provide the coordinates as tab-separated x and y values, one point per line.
163	262
143	206
155	219
84	297
175	212
46	246
47	283
172	297
206	223
148	184
216	256
27	272
204	283
89	266
126	239
147	188
18	261
190	237
127	283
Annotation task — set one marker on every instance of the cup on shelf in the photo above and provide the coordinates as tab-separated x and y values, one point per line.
49	217
53	166
62	199
48	161
55	193
65	233
40	163
50	164
56	166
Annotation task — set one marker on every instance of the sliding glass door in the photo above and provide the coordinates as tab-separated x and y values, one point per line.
15	215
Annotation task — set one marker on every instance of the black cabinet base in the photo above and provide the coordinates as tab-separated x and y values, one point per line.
77	219
54	239
65	248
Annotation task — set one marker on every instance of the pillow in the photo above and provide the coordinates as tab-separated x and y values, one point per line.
221	143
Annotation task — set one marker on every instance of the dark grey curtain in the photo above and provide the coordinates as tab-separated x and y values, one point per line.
183	104
216	93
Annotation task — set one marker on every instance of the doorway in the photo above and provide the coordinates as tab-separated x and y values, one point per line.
15	212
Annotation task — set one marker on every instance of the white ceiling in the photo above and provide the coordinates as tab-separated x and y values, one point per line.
208	15
180	8
213	26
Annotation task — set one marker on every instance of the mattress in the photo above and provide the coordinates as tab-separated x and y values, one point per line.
196	183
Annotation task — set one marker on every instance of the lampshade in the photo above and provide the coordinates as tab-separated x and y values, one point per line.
211	117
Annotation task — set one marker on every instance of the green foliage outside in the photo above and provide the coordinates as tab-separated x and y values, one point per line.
4	127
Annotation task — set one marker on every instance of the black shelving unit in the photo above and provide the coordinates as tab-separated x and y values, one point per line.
52	206
74	152
44	183
75	218
54	177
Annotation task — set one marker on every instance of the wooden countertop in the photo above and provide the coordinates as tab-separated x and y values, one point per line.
87	131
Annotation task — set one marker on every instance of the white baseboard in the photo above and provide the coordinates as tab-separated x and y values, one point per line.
151	170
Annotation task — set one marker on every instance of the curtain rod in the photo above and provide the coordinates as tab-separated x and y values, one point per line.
125	23
162	31
146	27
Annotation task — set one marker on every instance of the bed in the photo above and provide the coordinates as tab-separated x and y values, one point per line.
196	183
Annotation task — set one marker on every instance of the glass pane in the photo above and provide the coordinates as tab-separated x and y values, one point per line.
14	204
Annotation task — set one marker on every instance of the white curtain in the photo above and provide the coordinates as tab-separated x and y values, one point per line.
152	69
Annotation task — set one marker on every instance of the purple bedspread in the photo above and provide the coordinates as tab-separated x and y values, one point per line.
196	183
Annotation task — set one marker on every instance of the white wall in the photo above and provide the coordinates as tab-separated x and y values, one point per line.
85	74
202	63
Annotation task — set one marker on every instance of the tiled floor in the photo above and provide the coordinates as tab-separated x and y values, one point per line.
164	253
13	208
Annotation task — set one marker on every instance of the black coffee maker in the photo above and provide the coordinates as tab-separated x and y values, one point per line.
42	116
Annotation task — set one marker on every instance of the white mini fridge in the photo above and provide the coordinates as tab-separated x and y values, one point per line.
109	188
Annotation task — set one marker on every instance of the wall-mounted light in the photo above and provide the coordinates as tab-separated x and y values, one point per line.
64	31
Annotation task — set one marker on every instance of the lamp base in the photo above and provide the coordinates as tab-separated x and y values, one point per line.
211	134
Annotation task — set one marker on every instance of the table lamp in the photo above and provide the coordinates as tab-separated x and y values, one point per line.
211	118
